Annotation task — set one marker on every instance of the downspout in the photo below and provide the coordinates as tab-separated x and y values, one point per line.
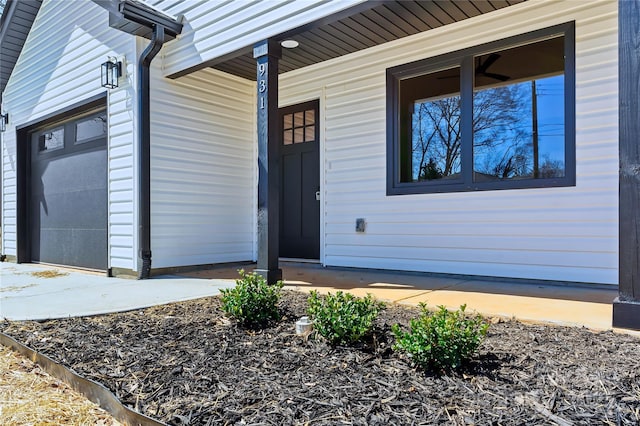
144	159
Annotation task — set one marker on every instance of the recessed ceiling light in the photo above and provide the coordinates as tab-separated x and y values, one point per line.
289	44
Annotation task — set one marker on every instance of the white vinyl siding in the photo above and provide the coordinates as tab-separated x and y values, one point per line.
60	66
202	169
565	234
203	143
216	28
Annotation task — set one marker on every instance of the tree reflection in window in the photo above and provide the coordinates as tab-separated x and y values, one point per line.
436	139
518	113
432	103
479	118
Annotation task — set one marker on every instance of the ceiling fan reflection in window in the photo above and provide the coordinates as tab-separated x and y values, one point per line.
482	69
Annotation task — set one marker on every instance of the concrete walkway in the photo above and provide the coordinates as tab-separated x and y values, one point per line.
36	292
41	292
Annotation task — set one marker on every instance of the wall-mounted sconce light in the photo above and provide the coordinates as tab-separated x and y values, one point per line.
111	71
4	120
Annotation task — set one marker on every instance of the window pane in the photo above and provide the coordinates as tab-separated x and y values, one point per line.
309	133
298	119
91	128
287	121
298	135
309	117
495	116
288	137
52	140
430	145
518	117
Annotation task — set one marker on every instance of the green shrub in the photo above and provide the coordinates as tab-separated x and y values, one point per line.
343	318
441	339
252	302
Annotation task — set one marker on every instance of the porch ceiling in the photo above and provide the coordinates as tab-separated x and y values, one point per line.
382	22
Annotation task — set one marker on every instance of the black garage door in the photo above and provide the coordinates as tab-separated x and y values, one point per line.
68	192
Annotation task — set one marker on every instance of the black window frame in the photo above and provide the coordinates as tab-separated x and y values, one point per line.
68	125
464	59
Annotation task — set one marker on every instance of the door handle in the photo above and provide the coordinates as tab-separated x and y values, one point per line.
317	195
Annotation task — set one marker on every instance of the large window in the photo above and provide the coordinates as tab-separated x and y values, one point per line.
498	116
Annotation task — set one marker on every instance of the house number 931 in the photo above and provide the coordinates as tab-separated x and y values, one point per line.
262	83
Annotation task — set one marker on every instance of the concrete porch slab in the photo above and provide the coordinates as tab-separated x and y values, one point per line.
41	292
563	304
596	316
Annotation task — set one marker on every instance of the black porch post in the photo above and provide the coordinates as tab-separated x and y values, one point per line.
267	53
626	307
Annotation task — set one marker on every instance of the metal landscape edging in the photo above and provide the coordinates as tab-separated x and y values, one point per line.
93	391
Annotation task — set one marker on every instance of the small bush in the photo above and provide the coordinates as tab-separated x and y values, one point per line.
441	339
252	302
343	318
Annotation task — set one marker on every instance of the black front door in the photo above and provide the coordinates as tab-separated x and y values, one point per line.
300	174
68	193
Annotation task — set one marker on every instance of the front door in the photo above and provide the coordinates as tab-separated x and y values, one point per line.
300	174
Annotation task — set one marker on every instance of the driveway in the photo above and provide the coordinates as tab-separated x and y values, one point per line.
37	292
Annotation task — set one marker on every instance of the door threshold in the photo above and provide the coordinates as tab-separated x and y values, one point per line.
71	268
297	260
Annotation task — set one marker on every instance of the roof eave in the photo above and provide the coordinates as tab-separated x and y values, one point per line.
16	32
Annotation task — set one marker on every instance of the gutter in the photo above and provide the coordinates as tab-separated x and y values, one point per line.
144	158
138	18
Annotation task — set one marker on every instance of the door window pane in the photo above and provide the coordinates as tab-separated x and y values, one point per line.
288	137
309	117
287	121
309	133
299	127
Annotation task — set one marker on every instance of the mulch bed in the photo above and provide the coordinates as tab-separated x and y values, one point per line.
185	363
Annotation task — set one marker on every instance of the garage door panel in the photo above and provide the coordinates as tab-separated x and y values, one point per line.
60	174
78	209
59	246
68	198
